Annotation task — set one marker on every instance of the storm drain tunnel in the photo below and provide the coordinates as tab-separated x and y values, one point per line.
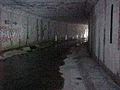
59	44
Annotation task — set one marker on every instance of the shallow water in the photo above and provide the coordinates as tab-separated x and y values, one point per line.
37	70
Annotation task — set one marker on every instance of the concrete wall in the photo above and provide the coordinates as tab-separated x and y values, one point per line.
19	28
99	38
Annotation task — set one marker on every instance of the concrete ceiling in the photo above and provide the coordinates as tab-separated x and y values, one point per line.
64	10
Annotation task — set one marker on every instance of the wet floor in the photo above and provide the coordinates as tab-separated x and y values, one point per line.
54	68
37	70
81	72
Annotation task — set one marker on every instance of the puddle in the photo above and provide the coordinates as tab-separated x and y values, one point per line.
37	70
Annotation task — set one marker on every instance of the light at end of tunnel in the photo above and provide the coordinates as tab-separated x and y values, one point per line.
55	37
86	33
66	37
77	36
73	37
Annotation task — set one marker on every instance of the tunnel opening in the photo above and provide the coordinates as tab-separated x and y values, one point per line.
38	37
78	32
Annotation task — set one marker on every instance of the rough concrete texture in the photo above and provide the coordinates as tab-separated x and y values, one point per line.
20	28
100	29
72	76
81	72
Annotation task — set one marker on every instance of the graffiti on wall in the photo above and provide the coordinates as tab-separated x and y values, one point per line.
7	34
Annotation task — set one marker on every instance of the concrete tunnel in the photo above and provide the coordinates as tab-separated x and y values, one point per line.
59	44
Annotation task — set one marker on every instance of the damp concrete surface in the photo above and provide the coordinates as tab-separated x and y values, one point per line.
54	68
81	72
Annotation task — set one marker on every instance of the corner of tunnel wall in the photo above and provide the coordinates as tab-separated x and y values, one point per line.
99	35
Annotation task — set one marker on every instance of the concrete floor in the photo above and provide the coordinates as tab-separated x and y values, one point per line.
41	70
81	72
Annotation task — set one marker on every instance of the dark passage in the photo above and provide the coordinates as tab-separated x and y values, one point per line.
37	70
